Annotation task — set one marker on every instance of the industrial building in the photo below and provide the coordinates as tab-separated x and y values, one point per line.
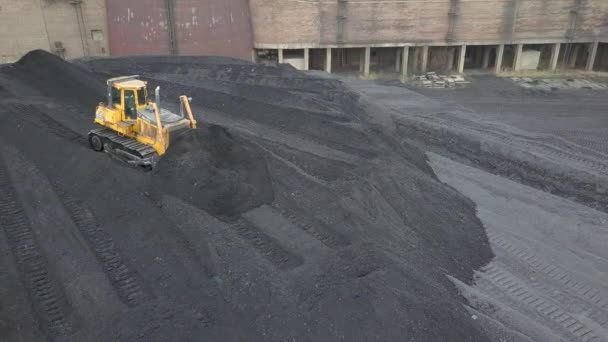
415	36
396	37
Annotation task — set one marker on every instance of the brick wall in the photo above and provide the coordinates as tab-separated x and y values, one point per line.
38	24
333	22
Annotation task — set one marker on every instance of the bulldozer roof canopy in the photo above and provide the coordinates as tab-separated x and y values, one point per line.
130	84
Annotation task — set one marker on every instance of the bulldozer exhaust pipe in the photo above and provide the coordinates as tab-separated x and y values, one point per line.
157	97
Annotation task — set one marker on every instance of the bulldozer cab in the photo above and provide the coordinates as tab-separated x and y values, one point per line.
129	96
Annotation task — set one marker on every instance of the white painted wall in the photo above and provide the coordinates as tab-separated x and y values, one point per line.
530	59
296	62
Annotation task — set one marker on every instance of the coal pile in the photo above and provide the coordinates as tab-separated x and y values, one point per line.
217	171
66	82
285	216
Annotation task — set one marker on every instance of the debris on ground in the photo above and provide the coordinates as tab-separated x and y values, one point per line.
432	80
558	83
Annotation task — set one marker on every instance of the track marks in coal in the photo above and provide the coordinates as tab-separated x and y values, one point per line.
576	285
523	143
591	297
315	227
124	280
521	293
266	245
526	171
40	118
48	299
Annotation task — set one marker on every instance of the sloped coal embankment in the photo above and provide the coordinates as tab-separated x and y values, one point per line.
322	229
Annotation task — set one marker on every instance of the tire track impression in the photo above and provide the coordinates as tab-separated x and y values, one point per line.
555	272
266	246
48	299
516	289
40	118
315	227
600	167
124	280
549	142
573	284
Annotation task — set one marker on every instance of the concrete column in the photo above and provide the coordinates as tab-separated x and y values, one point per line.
554	56
592	54
486	57
306	58
362	61
463	54
425	59
517	61
397	59
451	54
404	61
368	53
500	51
328	60
280	56
574	56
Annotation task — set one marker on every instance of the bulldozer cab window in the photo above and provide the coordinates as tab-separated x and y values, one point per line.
130	107
116	97
142	96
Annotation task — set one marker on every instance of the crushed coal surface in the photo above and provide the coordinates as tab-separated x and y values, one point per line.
217	171
286	216
66	82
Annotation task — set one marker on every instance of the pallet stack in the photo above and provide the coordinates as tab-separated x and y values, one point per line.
432	80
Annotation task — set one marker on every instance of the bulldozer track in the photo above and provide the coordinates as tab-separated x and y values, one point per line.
124	280
522	294
316	228
266	245
47	297
38	117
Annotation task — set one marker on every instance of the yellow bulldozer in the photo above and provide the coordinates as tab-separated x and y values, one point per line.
135	128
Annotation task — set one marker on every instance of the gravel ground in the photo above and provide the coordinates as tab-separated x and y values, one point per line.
291	214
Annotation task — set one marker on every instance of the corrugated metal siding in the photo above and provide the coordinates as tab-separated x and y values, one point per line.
202	27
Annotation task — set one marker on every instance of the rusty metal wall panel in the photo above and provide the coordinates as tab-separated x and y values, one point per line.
202	27
214	27
137	27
